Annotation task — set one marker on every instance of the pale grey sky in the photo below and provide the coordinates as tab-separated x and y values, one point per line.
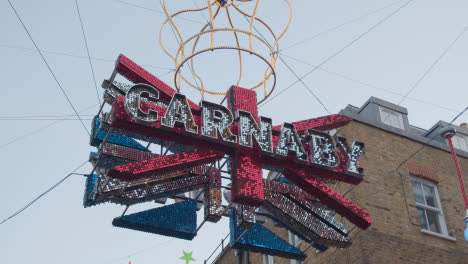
385	63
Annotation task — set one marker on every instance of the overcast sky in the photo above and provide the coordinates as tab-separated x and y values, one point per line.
385	63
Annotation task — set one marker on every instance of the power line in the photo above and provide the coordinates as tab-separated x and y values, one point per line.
292	71
74	56
405	96
44	193
48	67
37	130
40	116
421	79
342	49
56	117
432	138
295	74
359	231
28	134
87	51
305	85
370	85
434	63
401	175
435	135
165	243
203	14
341	25
154	10
418	82
386	188
42	119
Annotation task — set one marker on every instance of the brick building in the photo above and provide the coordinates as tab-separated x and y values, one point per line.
414	199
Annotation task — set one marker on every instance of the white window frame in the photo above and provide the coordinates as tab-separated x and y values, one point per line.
440	212
460	142
267	259
387	121
296	242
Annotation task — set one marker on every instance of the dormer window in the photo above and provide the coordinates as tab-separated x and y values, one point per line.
460	142
391	118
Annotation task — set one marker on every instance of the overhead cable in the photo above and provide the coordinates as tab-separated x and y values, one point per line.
435	63
87	51
390	91
49	68
76	56
40	116
342	49
431	139
37	130
44	119
420	80
341	25
305	85
292	71
44	193
154	10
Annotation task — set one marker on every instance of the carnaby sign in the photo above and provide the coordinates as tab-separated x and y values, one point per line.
197	137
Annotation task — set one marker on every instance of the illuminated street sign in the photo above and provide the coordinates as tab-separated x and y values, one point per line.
197	138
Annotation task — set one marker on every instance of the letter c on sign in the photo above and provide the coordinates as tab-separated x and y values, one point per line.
138	94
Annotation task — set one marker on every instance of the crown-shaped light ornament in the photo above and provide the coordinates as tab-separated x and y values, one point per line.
223	31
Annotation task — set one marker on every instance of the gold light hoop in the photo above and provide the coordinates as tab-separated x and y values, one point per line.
180	59
194	74
268	72
270	67
169	18
180	62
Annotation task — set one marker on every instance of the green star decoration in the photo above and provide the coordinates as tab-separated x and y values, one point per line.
187	257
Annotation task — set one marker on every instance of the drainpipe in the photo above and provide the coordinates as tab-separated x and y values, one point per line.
448	132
